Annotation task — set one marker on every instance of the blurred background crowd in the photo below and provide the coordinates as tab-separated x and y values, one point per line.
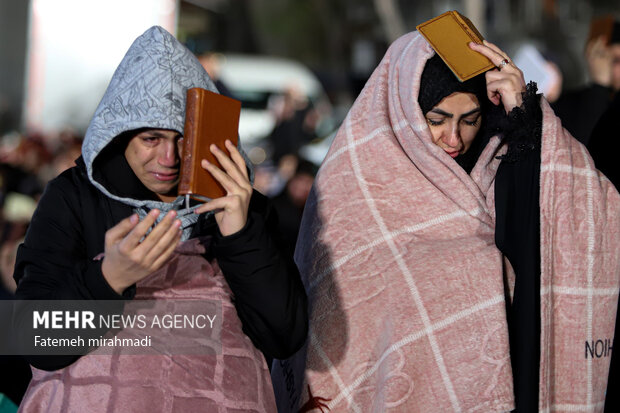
296	65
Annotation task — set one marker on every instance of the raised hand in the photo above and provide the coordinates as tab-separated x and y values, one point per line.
506	84
127	259
231	211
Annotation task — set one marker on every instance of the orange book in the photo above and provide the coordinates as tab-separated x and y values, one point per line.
449	35
209	118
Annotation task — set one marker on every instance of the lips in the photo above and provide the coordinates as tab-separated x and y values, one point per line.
165	176
453	154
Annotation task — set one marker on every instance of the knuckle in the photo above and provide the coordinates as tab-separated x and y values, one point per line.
237	200
137	260
123	249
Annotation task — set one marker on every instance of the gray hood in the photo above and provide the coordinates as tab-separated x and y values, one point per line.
147	90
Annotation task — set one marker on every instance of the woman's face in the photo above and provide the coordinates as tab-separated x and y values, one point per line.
454	122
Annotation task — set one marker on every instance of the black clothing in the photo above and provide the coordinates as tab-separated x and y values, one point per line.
604	146
517	231
438	81
68	230
15	378
15	179
579	110
289	219
16	371
517	236
289	135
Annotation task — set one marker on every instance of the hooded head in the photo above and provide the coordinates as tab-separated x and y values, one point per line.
147	90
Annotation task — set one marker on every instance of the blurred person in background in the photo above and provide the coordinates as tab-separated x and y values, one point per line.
291	200
113	228
212	63
540	66
25	165
554	88
604	142
13	385
296	122
22	158
67	150
580	109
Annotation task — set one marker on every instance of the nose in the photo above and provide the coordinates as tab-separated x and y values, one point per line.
169	155
452	136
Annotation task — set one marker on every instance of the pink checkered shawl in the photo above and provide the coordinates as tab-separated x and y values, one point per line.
235	380
406	285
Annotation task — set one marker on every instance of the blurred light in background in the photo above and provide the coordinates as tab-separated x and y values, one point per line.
74	47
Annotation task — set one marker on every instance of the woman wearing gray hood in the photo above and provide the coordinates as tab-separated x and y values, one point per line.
113	228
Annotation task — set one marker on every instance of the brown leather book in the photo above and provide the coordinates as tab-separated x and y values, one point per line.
601	26
449	35
209	118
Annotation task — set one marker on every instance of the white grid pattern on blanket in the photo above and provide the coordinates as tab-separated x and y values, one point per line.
580	291
345	391
428	326
574	407
387	237
590	261
367	138
405	271
590	174
568	169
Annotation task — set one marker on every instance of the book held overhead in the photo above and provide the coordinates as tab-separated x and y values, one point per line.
449	34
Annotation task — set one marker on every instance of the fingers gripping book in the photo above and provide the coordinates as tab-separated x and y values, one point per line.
449	34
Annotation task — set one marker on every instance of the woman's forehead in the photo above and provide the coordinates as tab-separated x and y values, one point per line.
459	102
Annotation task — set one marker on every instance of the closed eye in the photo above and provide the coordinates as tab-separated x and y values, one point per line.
472	122
435	122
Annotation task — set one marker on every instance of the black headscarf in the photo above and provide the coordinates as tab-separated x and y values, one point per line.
437	82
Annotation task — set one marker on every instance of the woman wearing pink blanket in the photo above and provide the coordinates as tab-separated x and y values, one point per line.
459	250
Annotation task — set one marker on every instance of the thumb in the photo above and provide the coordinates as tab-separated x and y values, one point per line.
120	230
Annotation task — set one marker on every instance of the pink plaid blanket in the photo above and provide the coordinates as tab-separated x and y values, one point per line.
237	379
405	282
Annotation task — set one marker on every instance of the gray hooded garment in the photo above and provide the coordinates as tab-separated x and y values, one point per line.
147	90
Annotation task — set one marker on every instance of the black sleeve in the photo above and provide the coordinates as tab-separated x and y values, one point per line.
517	235
52	263
269	296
